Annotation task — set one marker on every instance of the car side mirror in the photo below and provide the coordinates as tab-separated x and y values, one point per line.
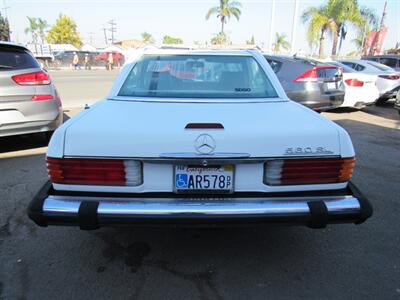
398	96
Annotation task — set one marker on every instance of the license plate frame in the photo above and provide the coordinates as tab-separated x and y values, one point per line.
229	190
331	86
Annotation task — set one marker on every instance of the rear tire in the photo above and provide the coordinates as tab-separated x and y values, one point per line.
381	101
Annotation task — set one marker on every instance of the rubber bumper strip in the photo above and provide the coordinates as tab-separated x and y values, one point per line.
87	215
366	209
318	214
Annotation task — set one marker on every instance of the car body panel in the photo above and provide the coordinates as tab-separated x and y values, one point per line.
138	121
19	114
311	94
360	96
387	88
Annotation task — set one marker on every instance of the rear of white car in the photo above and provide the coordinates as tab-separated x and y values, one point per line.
29	102
387	82
199	137
360	89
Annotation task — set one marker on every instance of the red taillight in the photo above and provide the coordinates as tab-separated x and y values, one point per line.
390	77
308	171
312	74
354	82
36	78
42	97
94	171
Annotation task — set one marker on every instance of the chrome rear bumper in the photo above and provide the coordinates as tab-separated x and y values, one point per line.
90	210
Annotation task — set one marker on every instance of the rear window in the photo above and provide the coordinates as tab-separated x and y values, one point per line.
391	62
380	66
198	76
275	65
346	69
16	60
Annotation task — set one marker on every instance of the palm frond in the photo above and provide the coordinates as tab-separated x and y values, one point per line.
212	11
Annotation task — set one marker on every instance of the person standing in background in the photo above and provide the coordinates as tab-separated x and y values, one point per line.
87	62
110	61
75	61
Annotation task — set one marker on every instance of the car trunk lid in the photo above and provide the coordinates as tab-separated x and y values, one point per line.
114	128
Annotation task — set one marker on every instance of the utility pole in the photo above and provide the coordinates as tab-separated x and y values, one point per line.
294	26
5	8
271	28
113	29
91	37
105	36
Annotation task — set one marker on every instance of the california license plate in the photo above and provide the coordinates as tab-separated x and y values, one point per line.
204	179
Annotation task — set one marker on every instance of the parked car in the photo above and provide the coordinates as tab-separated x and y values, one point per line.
29	101
388	80
311	83
360	88
118	58
198	137
390	60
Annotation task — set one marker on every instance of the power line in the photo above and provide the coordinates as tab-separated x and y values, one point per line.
113	29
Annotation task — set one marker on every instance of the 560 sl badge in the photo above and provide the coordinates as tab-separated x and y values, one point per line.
306	151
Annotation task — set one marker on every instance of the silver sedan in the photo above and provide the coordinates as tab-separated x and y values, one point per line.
29	101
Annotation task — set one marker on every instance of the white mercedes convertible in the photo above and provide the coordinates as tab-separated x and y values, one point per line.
198	137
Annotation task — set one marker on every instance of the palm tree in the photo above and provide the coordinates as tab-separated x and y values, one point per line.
224	11
370	22
280	41
319	23
147	37
42	25
342	12
32	29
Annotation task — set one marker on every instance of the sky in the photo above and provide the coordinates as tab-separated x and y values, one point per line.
185	19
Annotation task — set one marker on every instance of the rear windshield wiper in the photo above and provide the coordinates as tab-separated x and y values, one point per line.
6	67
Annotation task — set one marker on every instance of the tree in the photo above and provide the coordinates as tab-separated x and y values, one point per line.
342	12
370	22
172	40
4	29
224	11
334	18
147	38
32	29
319	23
42	25
220	39
280	41
251	41
64	32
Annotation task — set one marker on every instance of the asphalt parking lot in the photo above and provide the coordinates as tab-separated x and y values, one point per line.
269	262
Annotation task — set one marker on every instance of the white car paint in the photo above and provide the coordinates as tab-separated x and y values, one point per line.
148	128
356	96
383	85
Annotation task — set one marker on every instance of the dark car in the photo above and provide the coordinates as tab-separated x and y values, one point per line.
316	85
390	60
